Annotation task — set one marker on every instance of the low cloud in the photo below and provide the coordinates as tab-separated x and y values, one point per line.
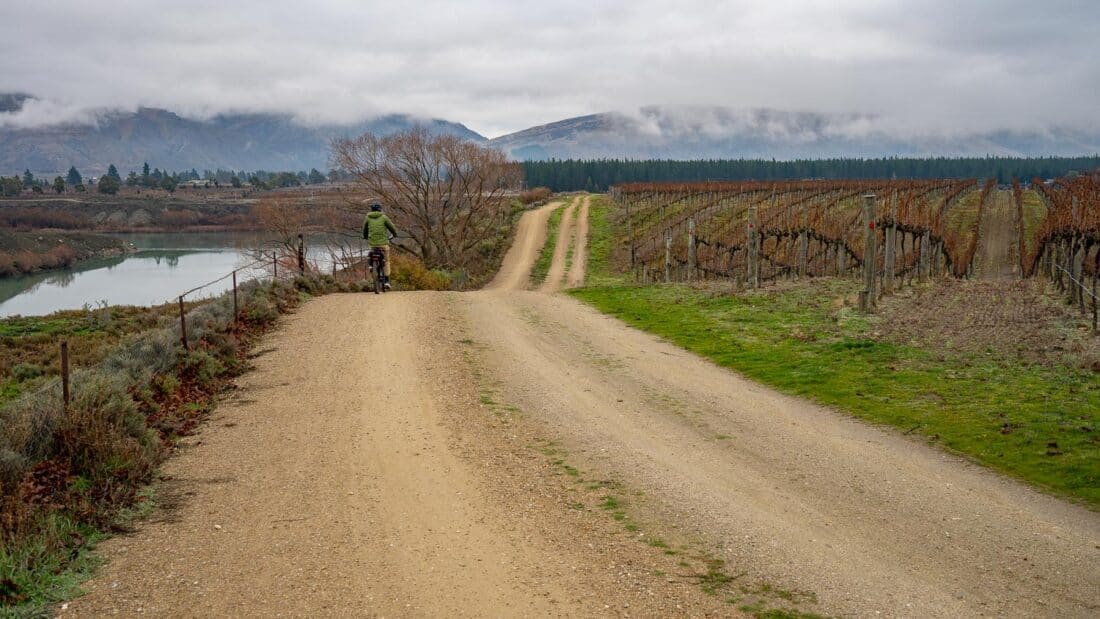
500	66
38	112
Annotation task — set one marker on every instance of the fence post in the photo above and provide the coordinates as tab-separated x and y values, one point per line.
891	249
235	308
183	325
274	265
668	255
867	295
691	249
1095	329
301	255
65	374
753	238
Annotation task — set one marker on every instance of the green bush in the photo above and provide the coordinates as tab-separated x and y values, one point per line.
409	274
25	371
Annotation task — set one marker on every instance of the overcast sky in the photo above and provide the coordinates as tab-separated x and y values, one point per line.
500	66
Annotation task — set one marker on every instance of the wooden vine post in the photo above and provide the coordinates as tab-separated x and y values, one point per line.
630	229
925	250
891	249
668	255
867	295
753	243
691	249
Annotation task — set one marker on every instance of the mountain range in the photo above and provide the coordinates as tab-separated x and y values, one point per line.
698	132
172	142
279	142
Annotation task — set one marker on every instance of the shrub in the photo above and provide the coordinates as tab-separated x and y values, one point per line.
104	438
26	371
7	265
26	261
537	194
408	273
200	367
60	256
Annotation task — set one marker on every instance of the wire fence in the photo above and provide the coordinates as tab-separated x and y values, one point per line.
269	265
1083	290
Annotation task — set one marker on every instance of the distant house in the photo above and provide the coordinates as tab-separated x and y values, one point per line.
198	183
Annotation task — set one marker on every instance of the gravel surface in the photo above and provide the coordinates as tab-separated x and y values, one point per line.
411	454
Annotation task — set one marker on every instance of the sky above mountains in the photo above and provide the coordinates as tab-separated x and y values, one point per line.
500	66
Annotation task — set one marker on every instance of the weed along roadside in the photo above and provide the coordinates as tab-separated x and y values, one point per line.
71	474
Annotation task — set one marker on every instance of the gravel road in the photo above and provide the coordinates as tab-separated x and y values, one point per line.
386	457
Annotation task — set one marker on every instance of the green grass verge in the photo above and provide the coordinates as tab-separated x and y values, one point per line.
546	256
46	569
601	242
1032	421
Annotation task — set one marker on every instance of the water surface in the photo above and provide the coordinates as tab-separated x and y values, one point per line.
163	266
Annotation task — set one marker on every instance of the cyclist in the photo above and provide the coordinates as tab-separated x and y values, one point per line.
378	230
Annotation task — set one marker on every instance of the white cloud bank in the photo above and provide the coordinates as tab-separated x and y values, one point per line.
500	66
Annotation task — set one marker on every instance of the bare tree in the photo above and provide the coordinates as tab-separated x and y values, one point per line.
446	193
286	215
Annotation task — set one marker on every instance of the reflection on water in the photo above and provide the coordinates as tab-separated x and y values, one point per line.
164	266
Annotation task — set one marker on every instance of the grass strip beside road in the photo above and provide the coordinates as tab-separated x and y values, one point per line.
1035	422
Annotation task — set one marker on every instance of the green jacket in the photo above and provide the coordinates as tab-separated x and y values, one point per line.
375	227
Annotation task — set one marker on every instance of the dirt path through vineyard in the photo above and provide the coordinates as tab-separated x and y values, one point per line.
998	255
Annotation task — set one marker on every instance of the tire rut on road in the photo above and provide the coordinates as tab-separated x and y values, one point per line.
577	268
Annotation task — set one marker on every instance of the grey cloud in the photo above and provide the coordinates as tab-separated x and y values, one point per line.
500	66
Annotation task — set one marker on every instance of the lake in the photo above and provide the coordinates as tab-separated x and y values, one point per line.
163	266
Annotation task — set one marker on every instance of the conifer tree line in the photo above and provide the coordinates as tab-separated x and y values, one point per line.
599	174
155	178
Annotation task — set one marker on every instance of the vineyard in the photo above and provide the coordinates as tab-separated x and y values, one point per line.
914	229
1067	246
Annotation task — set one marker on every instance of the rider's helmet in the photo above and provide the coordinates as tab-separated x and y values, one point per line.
376	206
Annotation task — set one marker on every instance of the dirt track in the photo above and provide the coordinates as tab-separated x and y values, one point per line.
373	464
998	253
560	262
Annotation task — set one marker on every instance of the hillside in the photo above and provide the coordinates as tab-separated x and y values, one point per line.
698	132
170	141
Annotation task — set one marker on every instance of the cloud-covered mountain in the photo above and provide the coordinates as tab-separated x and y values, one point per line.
693	132
169	141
